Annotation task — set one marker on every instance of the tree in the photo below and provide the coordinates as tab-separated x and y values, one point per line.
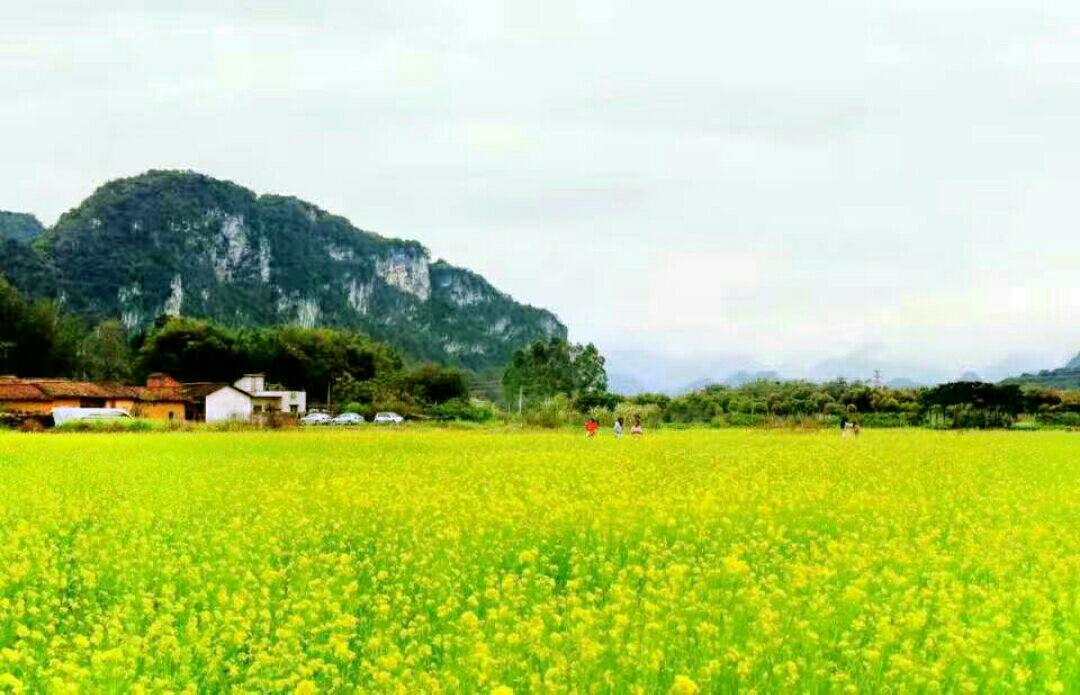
107	352
35	339
554	366
432	384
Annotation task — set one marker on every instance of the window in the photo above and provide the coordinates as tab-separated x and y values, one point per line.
294	409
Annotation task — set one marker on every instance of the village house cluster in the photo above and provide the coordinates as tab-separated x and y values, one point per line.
162	398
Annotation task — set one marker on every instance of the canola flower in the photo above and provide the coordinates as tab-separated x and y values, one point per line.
443	561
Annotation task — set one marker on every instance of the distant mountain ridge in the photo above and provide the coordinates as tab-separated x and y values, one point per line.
182	243
1067	377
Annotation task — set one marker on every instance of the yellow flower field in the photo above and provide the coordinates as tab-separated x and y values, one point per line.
424	560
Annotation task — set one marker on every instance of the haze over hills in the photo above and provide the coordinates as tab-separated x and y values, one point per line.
182	243
1065	377
637	372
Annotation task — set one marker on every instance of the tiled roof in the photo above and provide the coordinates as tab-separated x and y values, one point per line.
61	388
146	394
20	391
202	389
50	389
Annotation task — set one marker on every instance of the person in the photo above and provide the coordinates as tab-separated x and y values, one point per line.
591	427
843	423
618	427
636	429
856	428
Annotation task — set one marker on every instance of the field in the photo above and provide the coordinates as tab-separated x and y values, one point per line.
430	560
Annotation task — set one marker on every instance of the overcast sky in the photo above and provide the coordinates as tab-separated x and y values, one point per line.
787	181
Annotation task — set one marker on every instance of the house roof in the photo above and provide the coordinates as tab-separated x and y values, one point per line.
20	391
61	388
51	389
202	389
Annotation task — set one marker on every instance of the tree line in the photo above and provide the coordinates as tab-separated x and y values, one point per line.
553	381
561	383
346	369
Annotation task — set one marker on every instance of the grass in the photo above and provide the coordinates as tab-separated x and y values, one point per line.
428	560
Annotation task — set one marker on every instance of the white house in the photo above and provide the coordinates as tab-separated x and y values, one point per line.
265	400
242	400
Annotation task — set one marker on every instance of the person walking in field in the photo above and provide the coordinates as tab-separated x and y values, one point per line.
590	427
636	429
618	427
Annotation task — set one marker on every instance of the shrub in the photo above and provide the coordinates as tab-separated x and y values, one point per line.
552	412
466	410
648	412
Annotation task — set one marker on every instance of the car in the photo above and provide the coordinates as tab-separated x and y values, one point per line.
315	419
386	416
348	419
61	416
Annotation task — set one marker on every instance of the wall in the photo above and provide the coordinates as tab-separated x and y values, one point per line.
286	399
160	410
42	407
227	404
252	383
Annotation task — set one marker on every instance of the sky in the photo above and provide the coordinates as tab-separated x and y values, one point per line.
807	186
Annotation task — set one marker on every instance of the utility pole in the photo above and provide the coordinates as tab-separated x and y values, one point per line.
521	401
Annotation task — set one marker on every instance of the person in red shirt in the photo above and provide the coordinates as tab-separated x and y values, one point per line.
590	427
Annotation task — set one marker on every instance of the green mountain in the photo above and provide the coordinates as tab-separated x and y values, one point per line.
19	226
181	243
1067	377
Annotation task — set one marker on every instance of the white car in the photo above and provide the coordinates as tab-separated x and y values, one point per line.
65	415
348	419
392	418
315	419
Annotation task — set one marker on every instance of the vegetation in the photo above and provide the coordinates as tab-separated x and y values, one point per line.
1067	377
554	366
801	403
19	227
169	242
455	561
35	338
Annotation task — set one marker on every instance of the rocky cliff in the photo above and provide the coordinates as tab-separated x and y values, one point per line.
180	243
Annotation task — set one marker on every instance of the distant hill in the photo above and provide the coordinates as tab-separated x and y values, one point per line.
19	226
733	380
181	243
1067	377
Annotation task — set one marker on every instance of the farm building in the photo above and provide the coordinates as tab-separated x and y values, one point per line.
246	399
161	399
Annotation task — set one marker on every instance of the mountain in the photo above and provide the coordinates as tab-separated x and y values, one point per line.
1067	377
181	243
19	226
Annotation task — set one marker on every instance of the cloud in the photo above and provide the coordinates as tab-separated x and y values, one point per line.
788	180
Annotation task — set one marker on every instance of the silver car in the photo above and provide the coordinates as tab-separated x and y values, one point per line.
315	419
387	416
348	419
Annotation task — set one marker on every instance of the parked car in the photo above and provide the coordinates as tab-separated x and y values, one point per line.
315	419
348	419
387	416
62	416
